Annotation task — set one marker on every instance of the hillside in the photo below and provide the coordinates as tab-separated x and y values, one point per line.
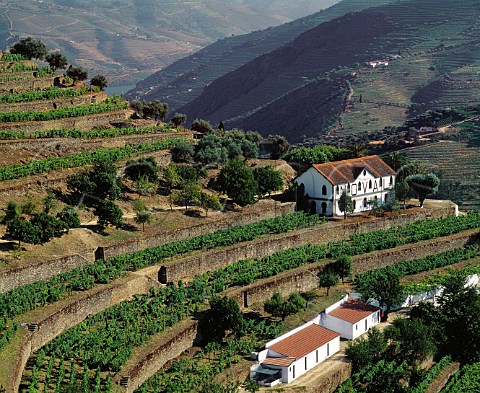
185	79
433	59
129	40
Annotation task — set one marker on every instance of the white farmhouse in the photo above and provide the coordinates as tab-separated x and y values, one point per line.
367	180
351	318
293	354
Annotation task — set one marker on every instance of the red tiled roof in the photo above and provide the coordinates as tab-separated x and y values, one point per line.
353	311
282	362
346	171
305	341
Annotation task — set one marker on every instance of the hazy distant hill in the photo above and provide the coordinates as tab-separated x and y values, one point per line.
439	66
130	39
184	80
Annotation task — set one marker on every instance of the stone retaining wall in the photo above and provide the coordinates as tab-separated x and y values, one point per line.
174	342
26	85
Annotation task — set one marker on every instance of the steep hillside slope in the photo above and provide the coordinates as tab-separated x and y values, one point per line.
184	80
439	56
128	40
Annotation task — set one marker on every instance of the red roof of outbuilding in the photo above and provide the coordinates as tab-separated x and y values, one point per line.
304	341
282	362
353	311
346	171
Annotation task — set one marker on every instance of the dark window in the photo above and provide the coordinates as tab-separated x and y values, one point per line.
305	362
317	355
324	190
359	186
380	182
365	202
364	172
366	324
338	190
370	184
391	180
328	349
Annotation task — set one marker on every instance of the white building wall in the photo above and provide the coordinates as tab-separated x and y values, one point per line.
331	347
349	330
364	189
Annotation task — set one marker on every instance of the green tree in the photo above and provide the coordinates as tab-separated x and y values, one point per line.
402	192
30	206
367	350
139	205
69	216
308	296
249	149
182	152
345	204
171	177
424	185
252	386
30	48
209	202
77	74
385	288
144	186
178	119
12	211
190	193
395	160
237	181
56	60
108	212
277	306
415	339
201	126
23	231
268	180
135	169
327	279
99	81
224	316
155	110
343	266
50	202
49	226
143	218
279	146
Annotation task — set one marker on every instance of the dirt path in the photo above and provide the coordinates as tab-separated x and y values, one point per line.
438	383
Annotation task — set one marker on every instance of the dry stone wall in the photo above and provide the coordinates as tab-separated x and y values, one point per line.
172	344
26	85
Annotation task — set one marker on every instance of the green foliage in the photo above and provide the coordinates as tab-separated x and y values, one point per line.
50	94
77	74
345	204
40	229
237	181
201	126
183	152
171	177
466	380
315	155
12	211
56	60
178	119
29	49
367	350
70	217
144	186
209	202
432	375
30	206
279	146
110	105
224	316
268	180
108	212
139	205
99	81
143	167
343	266
402	191
423	185
143	217
190	193
386	288
277	306
50	202
328	279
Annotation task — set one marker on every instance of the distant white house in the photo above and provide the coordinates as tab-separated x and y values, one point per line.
293	354
367	180
378	63
351	318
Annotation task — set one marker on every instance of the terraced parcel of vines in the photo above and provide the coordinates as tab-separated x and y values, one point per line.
104	296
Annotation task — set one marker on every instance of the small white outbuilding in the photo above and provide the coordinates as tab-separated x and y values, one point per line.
293	354
351	318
